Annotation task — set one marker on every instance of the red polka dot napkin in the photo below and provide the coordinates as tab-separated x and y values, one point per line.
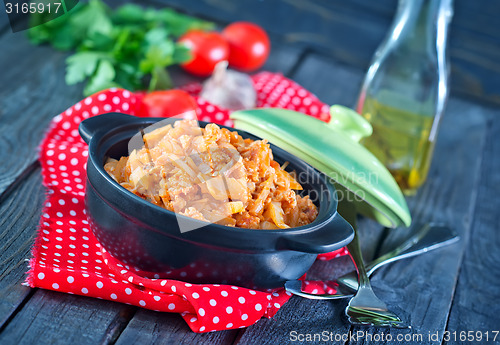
68	258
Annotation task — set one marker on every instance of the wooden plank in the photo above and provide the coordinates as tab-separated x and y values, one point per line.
297	316
401	284
33	91
149	327
19	217
421	289
55	318
47	317
333	82
351	31
474	306
4	19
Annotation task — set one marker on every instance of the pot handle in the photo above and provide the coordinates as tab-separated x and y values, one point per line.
104	123
336	234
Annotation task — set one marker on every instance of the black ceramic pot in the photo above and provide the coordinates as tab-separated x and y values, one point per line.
146	236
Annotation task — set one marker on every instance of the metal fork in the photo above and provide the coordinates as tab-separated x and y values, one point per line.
365	308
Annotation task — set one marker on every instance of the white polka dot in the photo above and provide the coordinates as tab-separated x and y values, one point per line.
55	286
224	293
219	116
50	153
229	325
70	279
202	328
206	289
126	94
258	307
188	285
142	303
171	306
74	161
229	310
241	300
201	311
125	106
85	290
99	285
213	303
234	287
195	295
95	110
252	292
216	320
128	291
173	288
41	275
113	296
157	298
87	100
106	107
277	305
101	97
244	317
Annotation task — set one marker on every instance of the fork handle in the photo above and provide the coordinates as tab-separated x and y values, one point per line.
354	249
348	211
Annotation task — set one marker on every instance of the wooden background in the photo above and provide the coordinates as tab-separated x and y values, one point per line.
349	31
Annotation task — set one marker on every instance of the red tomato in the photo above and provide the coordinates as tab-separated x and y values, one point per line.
207	48
167	103
249	45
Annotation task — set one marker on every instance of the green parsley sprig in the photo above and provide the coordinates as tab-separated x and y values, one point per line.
128	47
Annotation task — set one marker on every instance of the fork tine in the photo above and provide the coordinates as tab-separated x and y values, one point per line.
385	315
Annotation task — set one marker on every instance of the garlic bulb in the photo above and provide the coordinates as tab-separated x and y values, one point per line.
229	89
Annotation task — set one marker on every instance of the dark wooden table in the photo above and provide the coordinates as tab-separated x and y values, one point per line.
456	289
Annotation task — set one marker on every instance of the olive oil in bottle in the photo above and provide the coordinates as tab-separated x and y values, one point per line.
405	90
400	139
